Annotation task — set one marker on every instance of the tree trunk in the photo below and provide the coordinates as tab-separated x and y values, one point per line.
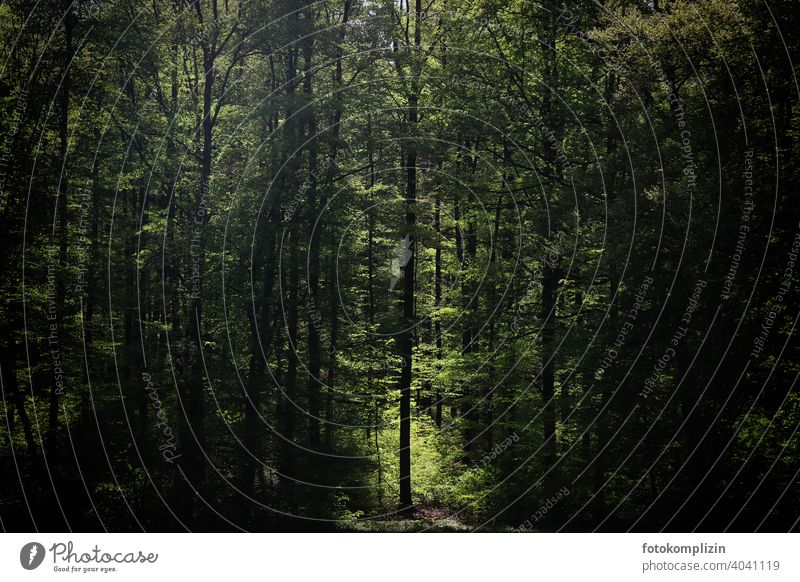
437	296
407	339
549	282
192	462
409	282
291	282
550	119
55	351
315	233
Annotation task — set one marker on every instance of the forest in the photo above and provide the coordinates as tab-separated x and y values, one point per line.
399	265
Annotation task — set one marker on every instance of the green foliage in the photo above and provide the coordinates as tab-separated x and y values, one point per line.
200	226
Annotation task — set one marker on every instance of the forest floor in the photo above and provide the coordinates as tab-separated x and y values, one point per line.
434	519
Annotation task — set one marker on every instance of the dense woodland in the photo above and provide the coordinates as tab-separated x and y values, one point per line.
275	265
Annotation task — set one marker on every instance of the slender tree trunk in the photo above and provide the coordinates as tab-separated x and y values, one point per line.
61	211
549	270
467	246
437	293
333	307
603	424
548	365
409	280
91	283
333	295
291	353
490	387
192	462
291	282
407	340
313	307
371	301
260	315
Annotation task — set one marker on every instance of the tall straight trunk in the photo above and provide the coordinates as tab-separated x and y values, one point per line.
333	295
370	232
91	284
371	300
259	313
313	306
333	317
550	276
292	324
549	283
489	389
194	442
603	425
407	339
437	296
61	211
291	279
467	246
409	279
460	258
134	390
